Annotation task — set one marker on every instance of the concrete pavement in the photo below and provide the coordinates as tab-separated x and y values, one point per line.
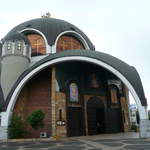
99	142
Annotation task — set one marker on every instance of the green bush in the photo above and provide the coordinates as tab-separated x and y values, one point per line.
17	128
36	119
134	127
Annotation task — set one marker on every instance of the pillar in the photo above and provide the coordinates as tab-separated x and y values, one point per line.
53	101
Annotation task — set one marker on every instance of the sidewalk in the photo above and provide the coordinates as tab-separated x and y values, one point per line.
120	141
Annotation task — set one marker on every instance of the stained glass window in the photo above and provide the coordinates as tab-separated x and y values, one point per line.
114	97
67	42
94	81
37	44
73	90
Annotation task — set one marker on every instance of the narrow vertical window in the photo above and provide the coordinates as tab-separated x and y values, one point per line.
60	114
73	90
114	95
19	45
9	45
94	81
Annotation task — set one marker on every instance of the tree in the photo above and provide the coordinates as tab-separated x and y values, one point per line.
36	119
17	128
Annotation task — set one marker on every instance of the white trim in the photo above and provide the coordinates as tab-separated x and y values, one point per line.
53	49
3	49
142	109
25	49
77	35
37	58
39	32
13	48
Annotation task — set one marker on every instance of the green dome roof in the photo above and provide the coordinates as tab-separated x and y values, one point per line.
50	27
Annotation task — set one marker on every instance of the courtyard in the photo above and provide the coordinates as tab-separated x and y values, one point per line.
120	141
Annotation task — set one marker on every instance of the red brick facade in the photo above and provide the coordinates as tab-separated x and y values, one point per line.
36	95
66	42
40	93
37	44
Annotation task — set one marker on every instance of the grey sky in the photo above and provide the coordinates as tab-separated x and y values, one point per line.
118	27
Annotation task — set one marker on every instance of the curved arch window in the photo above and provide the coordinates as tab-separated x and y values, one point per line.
67	42
37	44
73	92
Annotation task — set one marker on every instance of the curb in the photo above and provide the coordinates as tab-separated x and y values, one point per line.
27	140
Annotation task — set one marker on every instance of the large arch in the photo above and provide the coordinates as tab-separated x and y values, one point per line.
142	109
96	58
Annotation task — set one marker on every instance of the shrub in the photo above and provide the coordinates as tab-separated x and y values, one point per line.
134	127
17	127
36	119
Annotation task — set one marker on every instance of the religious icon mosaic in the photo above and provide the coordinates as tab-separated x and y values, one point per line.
94	83
74	95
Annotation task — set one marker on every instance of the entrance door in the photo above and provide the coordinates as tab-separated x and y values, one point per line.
75	121
95	116
114	122
100	120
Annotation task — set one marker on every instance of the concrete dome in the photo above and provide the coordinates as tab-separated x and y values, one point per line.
17	36
50	27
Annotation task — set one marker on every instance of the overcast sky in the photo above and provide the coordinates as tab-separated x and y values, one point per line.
117	27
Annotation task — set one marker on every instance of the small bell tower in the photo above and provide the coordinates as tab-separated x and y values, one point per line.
16	53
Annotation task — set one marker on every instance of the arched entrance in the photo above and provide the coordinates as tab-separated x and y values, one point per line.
114	114
6	116
35	95
95	116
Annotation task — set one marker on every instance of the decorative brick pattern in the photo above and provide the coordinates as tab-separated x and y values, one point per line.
58	103
66	42
125	110
20	105
37	44
40	93
61	105
36	95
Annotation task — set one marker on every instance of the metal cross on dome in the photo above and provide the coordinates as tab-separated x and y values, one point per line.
47	15
37	44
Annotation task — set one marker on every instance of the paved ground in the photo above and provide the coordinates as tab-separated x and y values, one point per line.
106	142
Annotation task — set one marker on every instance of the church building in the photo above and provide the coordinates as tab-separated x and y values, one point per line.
51	65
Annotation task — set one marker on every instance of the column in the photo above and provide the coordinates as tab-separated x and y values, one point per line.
53	101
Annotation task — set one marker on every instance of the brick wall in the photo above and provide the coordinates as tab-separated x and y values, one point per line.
125	109
36	95
66	42
61	104
37	44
